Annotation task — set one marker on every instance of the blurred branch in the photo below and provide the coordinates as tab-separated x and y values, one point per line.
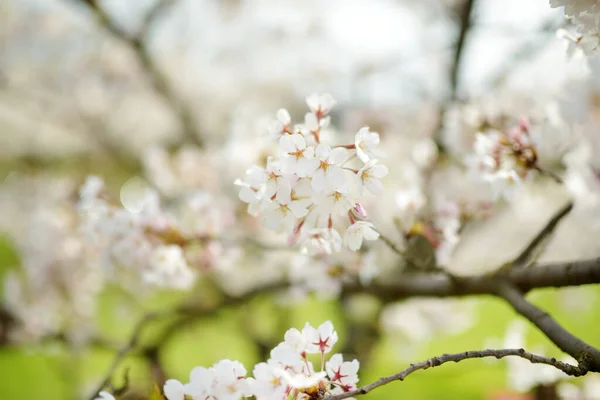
526	52
189	312
418	285
441	284
465	25
160	82
568	369
587	356
464	28
124	352
538	243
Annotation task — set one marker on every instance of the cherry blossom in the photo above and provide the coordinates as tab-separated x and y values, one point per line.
365	142
301	159
344	373
321	339
370	175
280	126
329	174
358	231
320	105
307	192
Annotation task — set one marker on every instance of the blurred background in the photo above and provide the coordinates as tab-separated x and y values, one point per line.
176	95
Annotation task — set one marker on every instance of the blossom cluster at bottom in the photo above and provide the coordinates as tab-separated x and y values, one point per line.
288	374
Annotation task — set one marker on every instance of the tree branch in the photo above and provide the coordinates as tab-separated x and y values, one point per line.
568	369
417	285
441	284
191	311
124	352
537	244
160	82
587	356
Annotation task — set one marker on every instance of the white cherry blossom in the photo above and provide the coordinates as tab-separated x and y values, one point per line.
321	339
365	142
343	372
280	126
321	240
336	202
321	105
301	158
358	231
329	174
370	175
281	213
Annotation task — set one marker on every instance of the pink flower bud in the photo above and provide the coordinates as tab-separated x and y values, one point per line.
359	211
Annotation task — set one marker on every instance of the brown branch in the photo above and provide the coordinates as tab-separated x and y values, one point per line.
568	369
441	284
159	80
587	355
417	285
536	245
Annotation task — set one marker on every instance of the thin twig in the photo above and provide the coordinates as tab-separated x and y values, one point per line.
391	245
550	174
190	313
125	350
587	355
568	369
537	244
159	80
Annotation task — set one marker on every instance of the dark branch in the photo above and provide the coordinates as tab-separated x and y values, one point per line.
536	245
443	285
587	356
439	360
417	285
160	82
465	27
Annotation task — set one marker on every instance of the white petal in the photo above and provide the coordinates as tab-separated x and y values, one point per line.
173	390
370	233
335	176
283	195
379	171
374	186
311	122
286	143
309	152
298	207
284	116
299	141
322	151
318	182
338	155
353	238
327	102
313	101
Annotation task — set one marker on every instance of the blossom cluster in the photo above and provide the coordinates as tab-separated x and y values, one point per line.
586	16
504	159
287	375
313	187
